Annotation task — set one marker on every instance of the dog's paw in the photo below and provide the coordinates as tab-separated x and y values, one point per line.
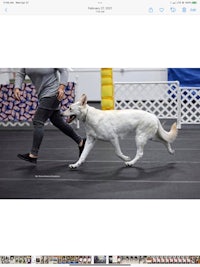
128	164
73	166
170	149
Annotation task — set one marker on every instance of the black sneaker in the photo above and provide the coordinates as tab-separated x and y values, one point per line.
27	158
82	147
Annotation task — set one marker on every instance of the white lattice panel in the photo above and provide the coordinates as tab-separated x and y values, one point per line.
160	98
190	105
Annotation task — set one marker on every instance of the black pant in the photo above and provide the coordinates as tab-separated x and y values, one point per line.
41	116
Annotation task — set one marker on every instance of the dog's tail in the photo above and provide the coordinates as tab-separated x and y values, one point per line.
170	136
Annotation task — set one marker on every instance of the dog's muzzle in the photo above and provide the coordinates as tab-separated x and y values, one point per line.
69	118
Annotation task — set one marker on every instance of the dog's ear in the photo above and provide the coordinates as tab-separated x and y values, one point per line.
83	100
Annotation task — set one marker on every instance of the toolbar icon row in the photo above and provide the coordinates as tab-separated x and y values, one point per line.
161	10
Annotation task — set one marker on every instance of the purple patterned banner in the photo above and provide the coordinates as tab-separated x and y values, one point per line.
22	111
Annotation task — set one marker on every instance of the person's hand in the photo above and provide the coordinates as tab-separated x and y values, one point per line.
61	92
17	93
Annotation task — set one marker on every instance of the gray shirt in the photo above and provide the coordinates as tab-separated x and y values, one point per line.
45	80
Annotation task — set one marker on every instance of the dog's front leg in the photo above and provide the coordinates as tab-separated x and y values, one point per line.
89	144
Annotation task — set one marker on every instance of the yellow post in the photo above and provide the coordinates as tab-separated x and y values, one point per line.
107	89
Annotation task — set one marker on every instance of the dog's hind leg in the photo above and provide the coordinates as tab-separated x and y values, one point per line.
170	149
140	140
167	145
118	152
89	144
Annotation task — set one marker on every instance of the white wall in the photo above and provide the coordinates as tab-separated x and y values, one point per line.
89	80
5	75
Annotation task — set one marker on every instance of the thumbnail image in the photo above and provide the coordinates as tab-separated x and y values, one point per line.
100	259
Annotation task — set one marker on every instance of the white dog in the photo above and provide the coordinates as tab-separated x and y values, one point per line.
110	125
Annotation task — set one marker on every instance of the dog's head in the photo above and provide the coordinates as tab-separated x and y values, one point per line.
76	110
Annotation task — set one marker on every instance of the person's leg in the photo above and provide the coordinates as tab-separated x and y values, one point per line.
40	117
59	122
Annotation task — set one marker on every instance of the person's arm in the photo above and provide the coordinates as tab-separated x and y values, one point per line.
19	78
63	83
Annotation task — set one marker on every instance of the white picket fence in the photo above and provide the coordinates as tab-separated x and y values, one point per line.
190	105
166	99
